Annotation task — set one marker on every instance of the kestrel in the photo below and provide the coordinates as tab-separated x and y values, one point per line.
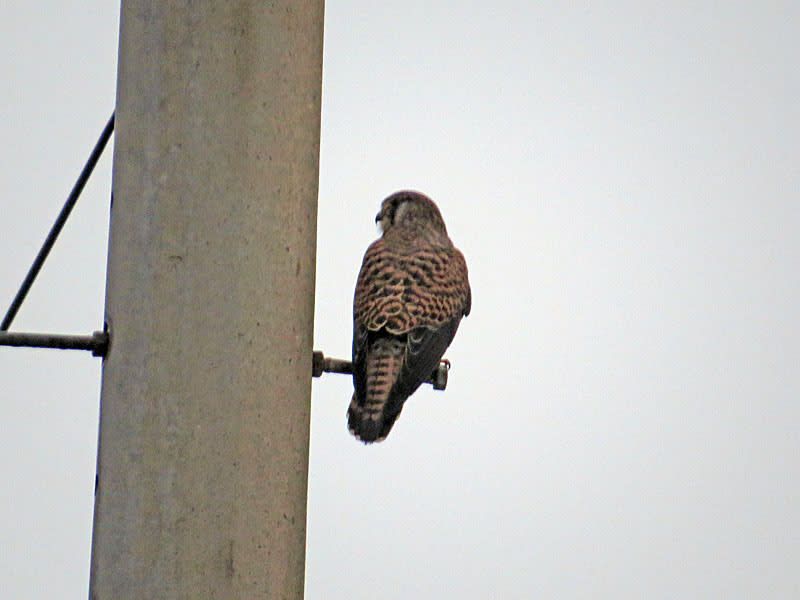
411	293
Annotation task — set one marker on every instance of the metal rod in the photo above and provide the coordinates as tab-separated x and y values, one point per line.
97	343
324	364
58	225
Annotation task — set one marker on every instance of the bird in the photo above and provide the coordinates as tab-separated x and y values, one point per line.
411	293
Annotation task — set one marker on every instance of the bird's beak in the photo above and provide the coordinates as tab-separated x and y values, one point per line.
378	217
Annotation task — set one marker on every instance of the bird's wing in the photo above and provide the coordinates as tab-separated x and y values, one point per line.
424	349
360	347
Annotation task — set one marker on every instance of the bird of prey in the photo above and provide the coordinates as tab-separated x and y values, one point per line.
411	294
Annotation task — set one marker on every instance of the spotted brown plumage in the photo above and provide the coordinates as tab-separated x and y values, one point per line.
411	294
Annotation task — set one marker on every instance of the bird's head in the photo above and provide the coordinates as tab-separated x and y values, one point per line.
409	208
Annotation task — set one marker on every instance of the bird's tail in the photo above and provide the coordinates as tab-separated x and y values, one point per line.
371	418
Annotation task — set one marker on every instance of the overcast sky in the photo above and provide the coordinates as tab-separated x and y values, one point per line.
622	414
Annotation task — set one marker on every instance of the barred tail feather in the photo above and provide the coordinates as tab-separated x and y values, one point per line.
371	418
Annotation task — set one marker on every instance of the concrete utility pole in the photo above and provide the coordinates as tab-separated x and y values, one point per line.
203	452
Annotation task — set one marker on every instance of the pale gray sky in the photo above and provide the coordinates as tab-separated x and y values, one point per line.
621	419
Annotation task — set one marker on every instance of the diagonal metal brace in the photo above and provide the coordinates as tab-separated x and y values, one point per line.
323	364
52	236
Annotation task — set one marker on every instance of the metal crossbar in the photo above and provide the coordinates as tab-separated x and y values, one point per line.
325	364
97	343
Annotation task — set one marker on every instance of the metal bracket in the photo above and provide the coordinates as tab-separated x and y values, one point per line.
97	343
323	364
